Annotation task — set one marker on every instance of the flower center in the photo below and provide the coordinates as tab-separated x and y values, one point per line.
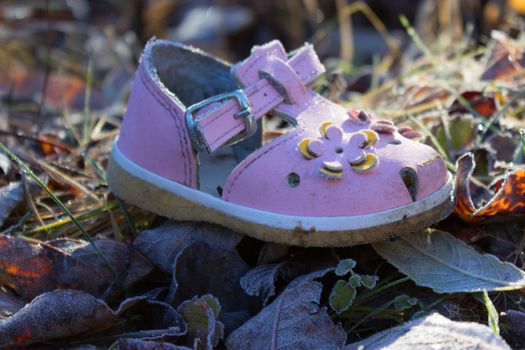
338	150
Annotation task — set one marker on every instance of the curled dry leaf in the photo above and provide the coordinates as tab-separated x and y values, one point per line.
204	331
32	269
448	265
434	332
507	203
11	195
65	313
201	259
294	320
260	281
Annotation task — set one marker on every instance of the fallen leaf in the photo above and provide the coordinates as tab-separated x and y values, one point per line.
204	331
448	265
260	281
65	313
504	58
201	259
55	315
506	204
139	344
162	245
294	320
514	330
9	303
484	105
504	146
433	332
201	269
460	135
272	252
11	196
32	269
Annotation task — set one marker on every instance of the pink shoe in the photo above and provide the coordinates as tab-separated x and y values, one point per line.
339	178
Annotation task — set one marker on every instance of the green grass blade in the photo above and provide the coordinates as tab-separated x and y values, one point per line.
58	202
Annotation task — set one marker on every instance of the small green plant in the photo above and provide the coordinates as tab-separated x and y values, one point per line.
344	291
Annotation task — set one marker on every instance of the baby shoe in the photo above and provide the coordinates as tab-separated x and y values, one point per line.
189	149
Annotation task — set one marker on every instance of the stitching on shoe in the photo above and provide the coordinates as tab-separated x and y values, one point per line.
285	139
188	172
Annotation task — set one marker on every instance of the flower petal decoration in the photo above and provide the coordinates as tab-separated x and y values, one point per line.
339	150
371	161
371	137
331	170
310	148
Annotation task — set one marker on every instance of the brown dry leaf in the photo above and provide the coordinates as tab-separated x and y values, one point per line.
65	313
9	303
139	344
294	320
507	203
484	105
434	332
67	263
261	280
201	260
505	58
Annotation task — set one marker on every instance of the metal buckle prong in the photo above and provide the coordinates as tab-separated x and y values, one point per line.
246	113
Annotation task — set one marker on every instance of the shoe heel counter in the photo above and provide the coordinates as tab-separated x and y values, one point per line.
153	133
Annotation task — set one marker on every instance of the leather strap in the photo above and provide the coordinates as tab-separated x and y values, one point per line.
264	75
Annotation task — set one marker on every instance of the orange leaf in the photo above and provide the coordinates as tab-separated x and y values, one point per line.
507	203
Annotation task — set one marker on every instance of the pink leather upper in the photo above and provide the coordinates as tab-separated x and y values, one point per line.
154	136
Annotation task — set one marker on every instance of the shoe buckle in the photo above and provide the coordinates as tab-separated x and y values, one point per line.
197	140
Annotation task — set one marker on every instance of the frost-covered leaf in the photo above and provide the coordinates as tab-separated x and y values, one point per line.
32	269
434	332
201	259
139	344
294	320
369	281
345	266
162	245
355	280
260	281
65	313
514	321
448	265
204	332
9	303
404	302
202	269
342	296
10	196
5	163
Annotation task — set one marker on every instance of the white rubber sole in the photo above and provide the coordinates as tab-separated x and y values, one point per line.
154	193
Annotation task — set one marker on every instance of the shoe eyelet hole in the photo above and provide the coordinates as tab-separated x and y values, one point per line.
338	150
411	181
293	180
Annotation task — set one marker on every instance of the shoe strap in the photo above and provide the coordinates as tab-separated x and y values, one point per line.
269	79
